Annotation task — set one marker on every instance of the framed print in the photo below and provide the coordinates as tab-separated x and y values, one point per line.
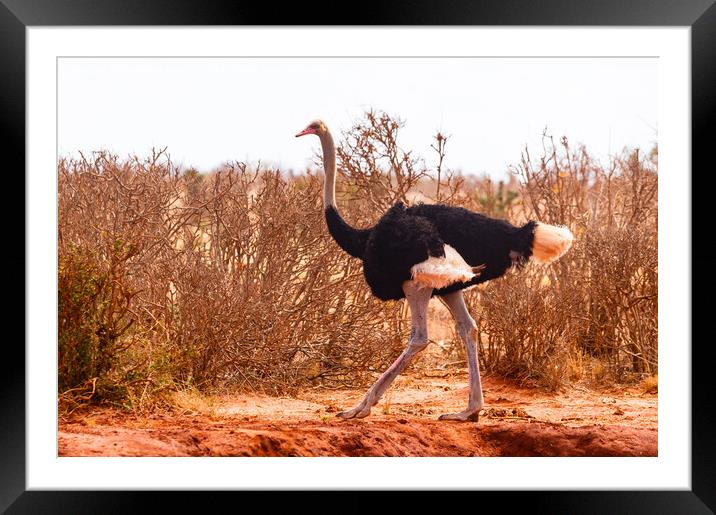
232	211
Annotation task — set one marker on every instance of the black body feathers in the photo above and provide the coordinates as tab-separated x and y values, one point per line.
396	243
405	236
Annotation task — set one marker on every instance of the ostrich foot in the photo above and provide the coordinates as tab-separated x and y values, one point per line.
463	416
357	412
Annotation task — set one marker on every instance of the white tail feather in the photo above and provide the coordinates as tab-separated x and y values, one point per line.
550	242
439	272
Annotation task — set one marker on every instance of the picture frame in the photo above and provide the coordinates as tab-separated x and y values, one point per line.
16	16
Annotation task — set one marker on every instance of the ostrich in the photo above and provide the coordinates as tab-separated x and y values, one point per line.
432	249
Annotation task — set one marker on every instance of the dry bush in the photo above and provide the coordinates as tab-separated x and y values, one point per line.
377	172
600	299
171	279
114	225
525	332
273	302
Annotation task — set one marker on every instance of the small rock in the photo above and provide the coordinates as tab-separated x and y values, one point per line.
402	421
618	411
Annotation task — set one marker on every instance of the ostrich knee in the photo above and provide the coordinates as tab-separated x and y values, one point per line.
418	340
467	329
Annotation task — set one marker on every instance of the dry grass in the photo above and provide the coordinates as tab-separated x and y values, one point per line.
191	401
387	403
650	384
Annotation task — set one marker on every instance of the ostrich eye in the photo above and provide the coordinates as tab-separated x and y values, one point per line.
314	126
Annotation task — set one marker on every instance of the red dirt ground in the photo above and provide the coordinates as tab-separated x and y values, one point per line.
516	421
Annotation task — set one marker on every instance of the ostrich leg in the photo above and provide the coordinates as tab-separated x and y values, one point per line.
468	332
418	299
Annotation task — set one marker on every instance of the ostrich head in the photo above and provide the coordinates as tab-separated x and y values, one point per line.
316	127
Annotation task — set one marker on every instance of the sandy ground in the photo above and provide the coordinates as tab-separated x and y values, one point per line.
516	421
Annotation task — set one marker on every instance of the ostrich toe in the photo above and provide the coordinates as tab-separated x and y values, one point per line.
463	416
357	412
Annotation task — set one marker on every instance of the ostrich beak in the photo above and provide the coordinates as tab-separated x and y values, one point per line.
305	131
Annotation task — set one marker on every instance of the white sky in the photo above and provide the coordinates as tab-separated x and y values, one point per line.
211	110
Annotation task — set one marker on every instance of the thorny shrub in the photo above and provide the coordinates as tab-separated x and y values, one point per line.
600	300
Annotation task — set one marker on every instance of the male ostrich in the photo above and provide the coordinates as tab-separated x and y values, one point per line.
424	250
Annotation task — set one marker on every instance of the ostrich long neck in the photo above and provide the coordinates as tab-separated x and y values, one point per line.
329	166
349	238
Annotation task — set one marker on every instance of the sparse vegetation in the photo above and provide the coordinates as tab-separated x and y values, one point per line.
387	403
172	280
650	384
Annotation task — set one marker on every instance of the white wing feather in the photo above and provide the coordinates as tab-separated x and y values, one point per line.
439	272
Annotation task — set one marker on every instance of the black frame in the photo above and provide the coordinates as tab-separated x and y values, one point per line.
700	15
